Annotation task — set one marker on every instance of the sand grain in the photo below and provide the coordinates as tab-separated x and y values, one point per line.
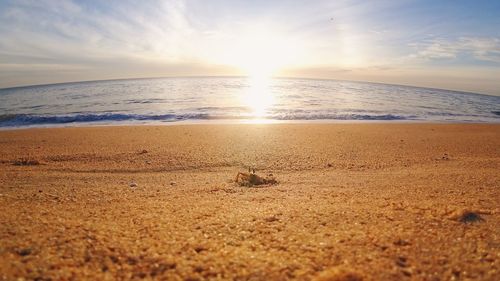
371	201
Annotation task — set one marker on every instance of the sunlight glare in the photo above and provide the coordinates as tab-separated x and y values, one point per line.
258	96
258	51
261	53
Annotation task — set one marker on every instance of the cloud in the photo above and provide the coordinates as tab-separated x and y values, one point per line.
70	32
478	48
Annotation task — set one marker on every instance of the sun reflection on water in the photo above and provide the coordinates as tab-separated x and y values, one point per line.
258	97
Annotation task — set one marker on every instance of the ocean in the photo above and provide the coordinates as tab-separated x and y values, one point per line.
236	99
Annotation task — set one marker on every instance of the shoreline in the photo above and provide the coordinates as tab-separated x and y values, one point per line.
244	122
380	201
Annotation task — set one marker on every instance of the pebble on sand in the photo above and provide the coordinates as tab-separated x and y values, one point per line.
468	216
24	252
133	184
199	248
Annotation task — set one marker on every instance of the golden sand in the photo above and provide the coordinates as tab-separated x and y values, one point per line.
353	202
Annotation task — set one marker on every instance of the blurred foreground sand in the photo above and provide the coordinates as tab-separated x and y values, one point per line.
371	201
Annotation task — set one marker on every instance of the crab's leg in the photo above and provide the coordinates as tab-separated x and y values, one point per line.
238	176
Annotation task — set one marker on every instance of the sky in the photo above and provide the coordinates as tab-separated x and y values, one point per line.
450	44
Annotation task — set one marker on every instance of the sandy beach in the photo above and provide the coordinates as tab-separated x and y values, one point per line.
353	202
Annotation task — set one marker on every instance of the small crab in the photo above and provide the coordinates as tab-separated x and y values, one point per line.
251	178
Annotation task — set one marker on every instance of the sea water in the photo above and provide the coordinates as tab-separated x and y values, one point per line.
220	99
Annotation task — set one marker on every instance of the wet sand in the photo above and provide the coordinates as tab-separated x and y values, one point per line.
358	201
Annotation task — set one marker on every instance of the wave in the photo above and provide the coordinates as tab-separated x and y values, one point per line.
19	120
327	116
26	119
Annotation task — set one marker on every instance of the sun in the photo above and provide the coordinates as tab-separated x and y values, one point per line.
260	53
256	49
